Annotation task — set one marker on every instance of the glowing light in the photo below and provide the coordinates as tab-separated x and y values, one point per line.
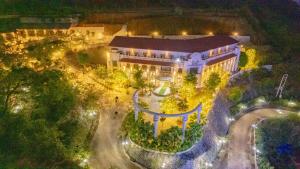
155	33
125	142
178	60
256	150
84	162
279	111
291	103
242	106
254	126
210	33
100	35
208	164
231	119
184	33
129	33
235	34
92	114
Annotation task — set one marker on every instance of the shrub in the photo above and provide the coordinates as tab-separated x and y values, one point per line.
235	94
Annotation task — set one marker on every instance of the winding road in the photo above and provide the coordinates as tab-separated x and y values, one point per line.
107	151
239	153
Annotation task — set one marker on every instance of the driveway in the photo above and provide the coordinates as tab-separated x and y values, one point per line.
239	154
107	152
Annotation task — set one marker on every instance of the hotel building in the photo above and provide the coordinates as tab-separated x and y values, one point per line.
169	59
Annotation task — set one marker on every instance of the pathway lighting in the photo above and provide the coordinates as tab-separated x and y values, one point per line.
92	114
291	103
210	33
208	164
242	106
83	163
125	142
254	126
231	119
261	100
279	111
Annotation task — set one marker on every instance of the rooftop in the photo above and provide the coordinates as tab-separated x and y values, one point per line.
179	45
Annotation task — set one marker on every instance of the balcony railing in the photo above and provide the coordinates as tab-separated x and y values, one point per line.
145	58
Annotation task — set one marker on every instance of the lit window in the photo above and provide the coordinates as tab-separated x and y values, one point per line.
211	52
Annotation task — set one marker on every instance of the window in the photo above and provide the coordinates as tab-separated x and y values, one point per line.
144	54
114	63
166	68
211	52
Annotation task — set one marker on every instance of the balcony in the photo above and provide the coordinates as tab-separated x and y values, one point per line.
145	58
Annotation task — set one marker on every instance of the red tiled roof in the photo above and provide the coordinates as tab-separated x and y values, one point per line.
211	62
148	62
180	45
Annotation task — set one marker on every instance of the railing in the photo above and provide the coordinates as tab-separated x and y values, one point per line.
145	58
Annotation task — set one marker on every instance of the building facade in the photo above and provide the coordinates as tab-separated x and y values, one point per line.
170	59
91	32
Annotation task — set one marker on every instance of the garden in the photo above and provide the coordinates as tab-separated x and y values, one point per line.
277	142
183	98
170	140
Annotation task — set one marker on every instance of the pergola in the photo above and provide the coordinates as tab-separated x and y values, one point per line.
157	116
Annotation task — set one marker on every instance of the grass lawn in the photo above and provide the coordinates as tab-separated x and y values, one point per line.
163	89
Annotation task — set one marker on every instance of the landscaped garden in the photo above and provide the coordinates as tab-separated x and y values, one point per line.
277	142
170	140
183	98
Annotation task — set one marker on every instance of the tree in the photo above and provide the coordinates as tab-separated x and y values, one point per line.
138	79
213	81
251	59
102	72
11	84
120	78
235	94
182	105
243	60
54	96
169	105
187	90
83	58
190	78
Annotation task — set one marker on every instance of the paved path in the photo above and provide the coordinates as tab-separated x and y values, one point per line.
107	153
239	153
